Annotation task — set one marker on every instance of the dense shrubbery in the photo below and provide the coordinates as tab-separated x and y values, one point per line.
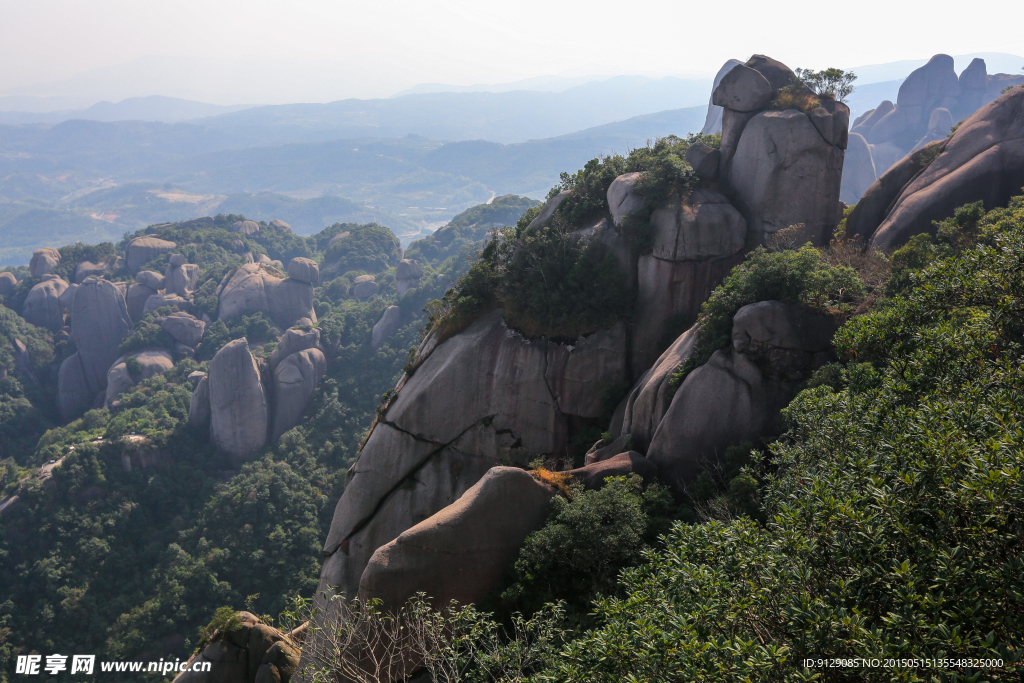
469	228
799	277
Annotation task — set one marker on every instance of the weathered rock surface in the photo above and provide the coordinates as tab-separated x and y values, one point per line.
238	405
713	120
43	261
385	327
983	160
473	402
8	283
737	395
364	286
252	288
548	210
42	304
246	227
199	409
697	241
785	173
622	199
742	89
304	270
181	278
252	653
141	249
184	328
593	475
151	279
99	323
870	211
136	298
295	380
650	398
277	223
74	393
704	159
120	380
157	301
858	170
407	275
462	551
88	269
293	341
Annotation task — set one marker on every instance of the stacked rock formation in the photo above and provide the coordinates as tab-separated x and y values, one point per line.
930	101
785	165
255	287
407	275
253	652
243	405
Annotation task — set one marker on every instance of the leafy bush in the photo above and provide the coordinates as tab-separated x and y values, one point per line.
797	277
590	536
832	83
894	510
146	334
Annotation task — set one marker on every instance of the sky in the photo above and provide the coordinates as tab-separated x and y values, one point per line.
269	51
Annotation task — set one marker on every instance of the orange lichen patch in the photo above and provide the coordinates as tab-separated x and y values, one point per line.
559	480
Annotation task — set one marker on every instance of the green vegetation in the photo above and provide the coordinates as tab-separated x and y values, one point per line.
832	83
796	277
470	228
370	247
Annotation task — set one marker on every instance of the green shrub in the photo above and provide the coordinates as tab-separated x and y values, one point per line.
589	537
371	247
893	508
797	277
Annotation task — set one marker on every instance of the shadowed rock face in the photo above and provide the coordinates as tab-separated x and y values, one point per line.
43	261
983	160
252	288
42	304
460	552
737	395
99	323
120	380
7	283
252	653
295	380
238	407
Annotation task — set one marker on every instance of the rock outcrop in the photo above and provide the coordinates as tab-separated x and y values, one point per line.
304	270
43	261
135	299
858	170
141	249
407	275
930	101
713	120
293	341
460	552
238	406
183	328
8	283
199	409
696	242
246	227
254	288
476	400
295	379
364	286
281	225
385	327
593	475
983	160
88	269
42	305
254	652
99	323
181	278
737	395
119	377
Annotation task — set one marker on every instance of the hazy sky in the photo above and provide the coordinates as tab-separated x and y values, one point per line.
232	51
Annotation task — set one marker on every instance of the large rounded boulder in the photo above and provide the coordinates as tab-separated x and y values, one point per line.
238	405
43	261
141	249
42	305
